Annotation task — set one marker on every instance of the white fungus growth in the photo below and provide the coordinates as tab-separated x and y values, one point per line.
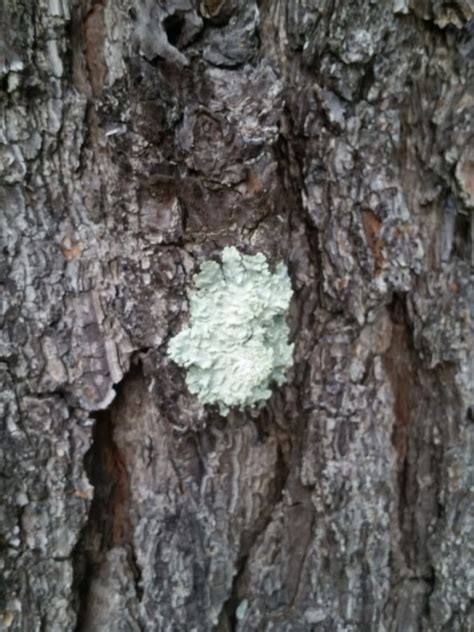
236	343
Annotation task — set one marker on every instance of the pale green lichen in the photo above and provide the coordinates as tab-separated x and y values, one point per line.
236	343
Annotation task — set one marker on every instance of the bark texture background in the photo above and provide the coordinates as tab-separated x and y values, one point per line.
138	138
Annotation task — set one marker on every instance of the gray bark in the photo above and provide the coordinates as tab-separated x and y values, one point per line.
140	137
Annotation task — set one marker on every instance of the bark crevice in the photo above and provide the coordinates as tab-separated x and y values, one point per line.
108	524
228	621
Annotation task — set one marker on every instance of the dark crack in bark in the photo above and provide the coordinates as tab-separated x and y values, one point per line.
108	525
418	500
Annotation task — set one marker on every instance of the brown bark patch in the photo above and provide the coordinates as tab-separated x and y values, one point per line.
372	224
71	248
400	364
466	178
94	37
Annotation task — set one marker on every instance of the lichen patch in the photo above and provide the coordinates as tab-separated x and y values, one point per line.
236	343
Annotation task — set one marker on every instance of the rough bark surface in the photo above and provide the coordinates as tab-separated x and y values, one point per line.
140	137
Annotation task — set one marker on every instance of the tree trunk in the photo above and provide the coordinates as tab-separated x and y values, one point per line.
138	139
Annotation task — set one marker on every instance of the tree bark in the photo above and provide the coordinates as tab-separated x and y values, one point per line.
139	138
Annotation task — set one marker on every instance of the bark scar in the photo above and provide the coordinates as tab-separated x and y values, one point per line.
372	224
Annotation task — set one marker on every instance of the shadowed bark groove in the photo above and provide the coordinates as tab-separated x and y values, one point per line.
109	524
228	619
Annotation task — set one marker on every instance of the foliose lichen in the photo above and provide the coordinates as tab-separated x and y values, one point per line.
236	343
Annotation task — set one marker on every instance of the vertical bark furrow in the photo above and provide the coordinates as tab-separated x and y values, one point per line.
105	547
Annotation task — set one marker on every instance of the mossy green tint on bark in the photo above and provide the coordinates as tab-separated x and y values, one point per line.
236	343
